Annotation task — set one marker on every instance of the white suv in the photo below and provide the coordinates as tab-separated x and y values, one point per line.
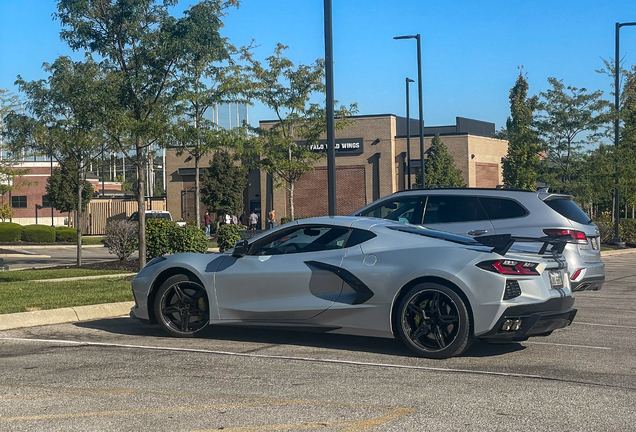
476	212
151	214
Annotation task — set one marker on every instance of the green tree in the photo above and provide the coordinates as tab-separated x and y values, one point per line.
287	89
568	118
64	122
223	185
141	45
206	76
440	167
61	189
9	103
522	160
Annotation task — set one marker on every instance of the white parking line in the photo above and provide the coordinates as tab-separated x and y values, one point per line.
288	358
604	325
567	345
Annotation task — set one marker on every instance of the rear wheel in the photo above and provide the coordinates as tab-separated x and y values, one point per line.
434	321
181	306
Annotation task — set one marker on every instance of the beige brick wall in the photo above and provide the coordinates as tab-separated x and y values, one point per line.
485	150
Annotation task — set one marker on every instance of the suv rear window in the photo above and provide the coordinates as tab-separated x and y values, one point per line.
499	208
568	208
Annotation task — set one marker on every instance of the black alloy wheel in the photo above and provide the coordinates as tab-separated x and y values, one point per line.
182	306
434	321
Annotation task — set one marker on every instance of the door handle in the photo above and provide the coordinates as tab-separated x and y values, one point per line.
477	232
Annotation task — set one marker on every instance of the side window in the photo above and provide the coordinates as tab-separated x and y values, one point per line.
406	209
502	208
303	239
359	236
447	209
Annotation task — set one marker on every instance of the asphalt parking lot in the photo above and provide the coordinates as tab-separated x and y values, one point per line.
118	374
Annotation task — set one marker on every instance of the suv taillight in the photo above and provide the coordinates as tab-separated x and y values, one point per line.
510	267
577	237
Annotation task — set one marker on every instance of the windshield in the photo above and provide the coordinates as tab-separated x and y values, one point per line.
568	208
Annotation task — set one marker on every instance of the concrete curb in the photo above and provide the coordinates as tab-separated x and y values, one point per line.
78	278
64	315
48	246
618	252
214	250
24	255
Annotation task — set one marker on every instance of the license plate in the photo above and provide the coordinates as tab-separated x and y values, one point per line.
594	243
556	280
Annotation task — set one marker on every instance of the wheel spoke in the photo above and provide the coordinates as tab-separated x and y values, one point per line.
417	311
448	319
439	337
197	295
185	322
170	310
422	330
180	294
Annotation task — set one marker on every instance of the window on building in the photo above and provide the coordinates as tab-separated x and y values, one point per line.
19	201
45	201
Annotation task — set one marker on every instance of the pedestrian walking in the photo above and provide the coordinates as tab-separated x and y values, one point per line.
253	221
234	220
271	219
206	221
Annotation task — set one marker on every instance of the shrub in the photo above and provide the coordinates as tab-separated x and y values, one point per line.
628	230
285	220
228	235
10	232
6	212
38	234
65	234
122	238
159	233
605	225
188	238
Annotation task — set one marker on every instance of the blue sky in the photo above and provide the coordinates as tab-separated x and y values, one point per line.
471	50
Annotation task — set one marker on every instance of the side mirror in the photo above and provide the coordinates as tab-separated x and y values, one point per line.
240	249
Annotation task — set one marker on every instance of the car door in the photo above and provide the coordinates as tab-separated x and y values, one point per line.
457	214
278	278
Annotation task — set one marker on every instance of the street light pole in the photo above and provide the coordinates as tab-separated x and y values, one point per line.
421	104
617	237
331	138
408	133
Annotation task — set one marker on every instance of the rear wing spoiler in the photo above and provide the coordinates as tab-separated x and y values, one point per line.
500	243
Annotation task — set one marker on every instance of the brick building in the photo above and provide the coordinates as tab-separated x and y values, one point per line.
29	201
370	164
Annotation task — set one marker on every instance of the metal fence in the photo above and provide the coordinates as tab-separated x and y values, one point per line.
102	211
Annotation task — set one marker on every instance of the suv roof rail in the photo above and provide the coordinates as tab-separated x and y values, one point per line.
514	188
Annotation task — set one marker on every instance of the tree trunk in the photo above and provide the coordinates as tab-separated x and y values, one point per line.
291	200
141	203
78	210
197	192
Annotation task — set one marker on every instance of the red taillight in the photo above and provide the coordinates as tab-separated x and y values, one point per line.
576	274
577	237
510	267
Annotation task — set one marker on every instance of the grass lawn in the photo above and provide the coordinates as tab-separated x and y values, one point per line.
28	275
212	244
92	240
25	296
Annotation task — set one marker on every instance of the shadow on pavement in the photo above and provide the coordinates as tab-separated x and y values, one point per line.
279	336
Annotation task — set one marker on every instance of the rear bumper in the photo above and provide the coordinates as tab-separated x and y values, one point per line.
594	283
536	319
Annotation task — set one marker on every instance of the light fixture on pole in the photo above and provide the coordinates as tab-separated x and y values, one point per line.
419	92
331	132
408	134
617	238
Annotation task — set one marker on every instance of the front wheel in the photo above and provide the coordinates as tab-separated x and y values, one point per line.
182	307
434	321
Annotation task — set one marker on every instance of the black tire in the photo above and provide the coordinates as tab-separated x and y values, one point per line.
433	321
181	306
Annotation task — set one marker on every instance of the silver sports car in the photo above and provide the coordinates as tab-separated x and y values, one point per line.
434	290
